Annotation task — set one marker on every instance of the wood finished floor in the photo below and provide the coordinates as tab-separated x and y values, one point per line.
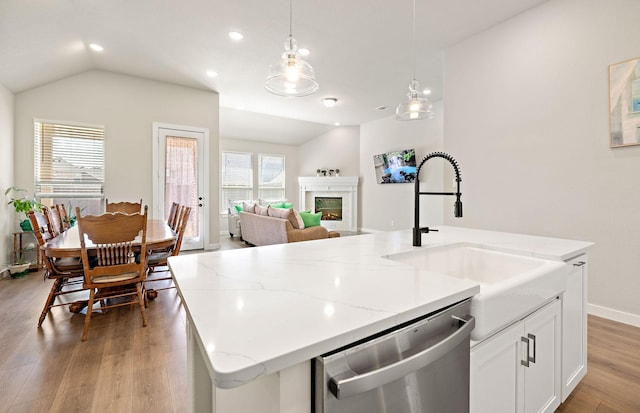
123	367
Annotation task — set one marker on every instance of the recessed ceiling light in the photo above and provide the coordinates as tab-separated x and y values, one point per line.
96	47
236	35
211	73
304	51
329	102
427	91
336	124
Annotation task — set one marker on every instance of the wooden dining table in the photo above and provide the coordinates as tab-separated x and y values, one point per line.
67	244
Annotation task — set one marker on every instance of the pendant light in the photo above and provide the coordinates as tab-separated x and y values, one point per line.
416	106
291	76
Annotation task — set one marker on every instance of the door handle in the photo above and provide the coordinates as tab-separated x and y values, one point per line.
525	359
360	383
533	340
579	264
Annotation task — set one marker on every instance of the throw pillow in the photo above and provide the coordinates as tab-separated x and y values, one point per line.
279	213
260	210
295	219
287	205
249	207
311	220
238	208
277	205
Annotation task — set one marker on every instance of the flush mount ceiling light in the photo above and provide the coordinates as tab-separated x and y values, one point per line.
291	76
96	47
416	106
329	102
236	35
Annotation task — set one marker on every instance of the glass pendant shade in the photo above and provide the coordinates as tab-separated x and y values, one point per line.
291	76
416	106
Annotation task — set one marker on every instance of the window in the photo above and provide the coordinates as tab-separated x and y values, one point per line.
69	165
271	177
237	178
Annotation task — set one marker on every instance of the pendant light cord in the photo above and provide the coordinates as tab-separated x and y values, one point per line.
413	40
291	18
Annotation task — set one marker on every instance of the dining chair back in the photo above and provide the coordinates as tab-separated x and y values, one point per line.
158	259
119	264
173	215
124	207
54	220
64	217
66	273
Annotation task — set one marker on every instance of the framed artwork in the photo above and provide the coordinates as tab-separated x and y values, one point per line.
624	103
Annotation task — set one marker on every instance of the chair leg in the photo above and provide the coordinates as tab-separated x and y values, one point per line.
87	318
141	303
55	288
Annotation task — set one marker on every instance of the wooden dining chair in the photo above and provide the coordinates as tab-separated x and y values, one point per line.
158	259
54	220
124	207
66	273
64	217
116	271
173	215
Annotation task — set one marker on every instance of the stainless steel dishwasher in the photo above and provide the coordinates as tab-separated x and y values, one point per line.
419	367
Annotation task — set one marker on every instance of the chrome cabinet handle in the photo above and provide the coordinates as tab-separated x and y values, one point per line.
361	383
533	340
525	361
579	263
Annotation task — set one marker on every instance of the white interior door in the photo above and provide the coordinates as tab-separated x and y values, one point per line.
179	153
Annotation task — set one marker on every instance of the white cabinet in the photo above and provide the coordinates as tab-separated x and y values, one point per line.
519	369
574	326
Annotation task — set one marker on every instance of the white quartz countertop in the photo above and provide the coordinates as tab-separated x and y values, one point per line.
256	311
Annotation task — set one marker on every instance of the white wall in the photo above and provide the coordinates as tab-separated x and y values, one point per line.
390	206
7	224
127	106
526	107
338	148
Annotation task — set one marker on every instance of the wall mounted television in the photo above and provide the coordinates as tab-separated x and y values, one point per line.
395	167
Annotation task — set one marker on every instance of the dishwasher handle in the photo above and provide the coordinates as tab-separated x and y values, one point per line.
351	386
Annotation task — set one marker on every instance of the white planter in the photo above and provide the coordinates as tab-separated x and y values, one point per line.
18	268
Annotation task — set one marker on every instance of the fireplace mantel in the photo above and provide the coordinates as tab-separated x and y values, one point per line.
332	186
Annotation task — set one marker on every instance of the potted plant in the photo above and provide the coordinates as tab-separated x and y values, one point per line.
20	268
22	204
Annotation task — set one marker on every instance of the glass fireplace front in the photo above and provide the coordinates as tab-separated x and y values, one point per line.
331	207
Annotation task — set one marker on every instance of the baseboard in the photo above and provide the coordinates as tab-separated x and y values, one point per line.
213	247
615	315
370	230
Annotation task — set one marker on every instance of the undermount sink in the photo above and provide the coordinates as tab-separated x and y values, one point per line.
511	285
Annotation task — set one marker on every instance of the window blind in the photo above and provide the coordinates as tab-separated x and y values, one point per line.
237	178
271	177
69	160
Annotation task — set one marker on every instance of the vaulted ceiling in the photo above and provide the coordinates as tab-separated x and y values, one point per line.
361	50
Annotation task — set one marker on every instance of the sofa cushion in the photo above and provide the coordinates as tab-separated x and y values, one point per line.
261	210
310	219
296	219
249	207
279	213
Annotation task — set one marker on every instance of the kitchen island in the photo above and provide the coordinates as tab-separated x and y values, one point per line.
256	316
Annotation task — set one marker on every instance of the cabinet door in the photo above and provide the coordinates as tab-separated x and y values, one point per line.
574	326
543	375
496	382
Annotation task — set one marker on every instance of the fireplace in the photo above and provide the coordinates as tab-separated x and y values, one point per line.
335	196
330	206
